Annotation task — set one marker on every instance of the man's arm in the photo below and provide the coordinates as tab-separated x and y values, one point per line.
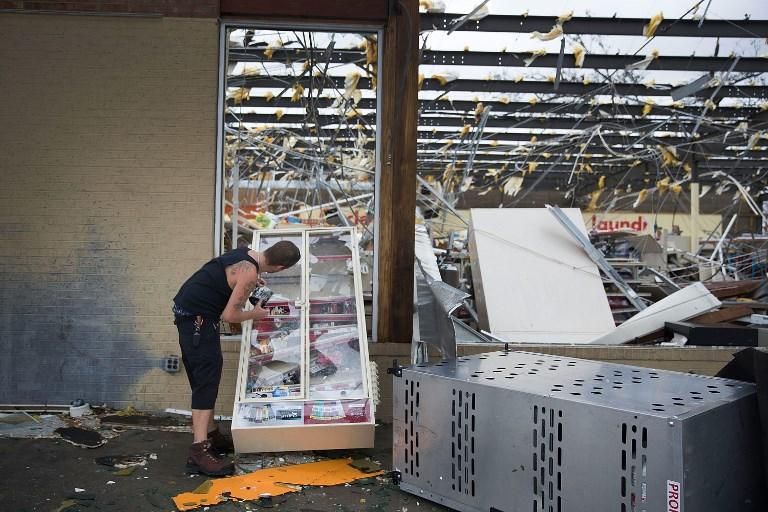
234	311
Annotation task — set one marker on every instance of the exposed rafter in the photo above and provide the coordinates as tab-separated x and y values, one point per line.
601	26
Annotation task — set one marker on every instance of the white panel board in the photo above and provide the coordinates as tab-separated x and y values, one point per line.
691	301
533	282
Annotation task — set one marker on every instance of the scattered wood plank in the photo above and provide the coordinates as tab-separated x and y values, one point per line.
729	289
726	314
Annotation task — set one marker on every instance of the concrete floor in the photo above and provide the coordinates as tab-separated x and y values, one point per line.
42	474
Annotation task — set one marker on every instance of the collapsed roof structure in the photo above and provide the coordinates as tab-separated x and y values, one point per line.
585	114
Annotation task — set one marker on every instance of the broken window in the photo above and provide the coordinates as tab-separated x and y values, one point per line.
298	135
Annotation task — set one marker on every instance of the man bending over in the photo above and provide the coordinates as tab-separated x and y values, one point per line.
219	290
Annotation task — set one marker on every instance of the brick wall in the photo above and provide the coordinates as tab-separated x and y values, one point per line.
185	8
107	137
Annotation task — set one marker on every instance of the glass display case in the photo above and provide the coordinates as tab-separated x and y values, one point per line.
304	368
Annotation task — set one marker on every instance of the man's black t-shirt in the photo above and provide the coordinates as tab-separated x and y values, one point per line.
207	292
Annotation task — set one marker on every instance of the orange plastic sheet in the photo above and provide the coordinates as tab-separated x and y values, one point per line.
271	482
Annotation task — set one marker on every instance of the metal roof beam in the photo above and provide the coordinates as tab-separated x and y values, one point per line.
745	166
592	61
509	59
601	26
729	138
610	161
534	123
509	86
468	107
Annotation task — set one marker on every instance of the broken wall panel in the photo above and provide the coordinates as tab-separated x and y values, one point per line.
532	281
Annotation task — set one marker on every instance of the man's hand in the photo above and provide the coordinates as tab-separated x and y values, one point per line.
257	313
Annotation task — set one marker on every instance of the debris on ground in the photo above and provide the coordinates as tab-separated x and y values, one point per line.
16	418
66	505
248	463
271	482
138	421
125	471
129	411
82	437
122	461
24	426
366	465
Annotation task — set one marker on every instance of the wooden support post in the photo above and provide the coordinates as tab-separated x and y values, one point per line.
397	181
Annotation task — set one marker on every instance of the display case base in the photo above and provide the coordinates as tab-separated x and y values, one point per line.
300	438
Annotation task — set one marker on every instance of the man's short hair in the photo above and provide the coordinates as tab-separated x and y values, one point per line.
283	253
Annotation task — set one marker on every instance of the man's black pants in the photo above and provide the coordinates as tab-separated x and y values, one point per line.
202	359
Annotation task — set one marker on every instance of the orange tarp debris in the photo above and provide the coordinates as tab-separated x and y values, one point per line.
272	482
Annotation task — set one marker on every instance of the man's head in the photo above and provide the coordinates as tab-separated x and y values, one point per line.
280	256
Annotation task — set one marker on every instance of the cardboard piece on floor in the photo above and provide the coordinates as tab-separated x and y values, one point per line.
682	305
533	282
272	482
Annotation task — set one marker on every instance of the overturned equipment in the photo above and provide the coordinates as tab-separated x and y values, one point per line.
516	431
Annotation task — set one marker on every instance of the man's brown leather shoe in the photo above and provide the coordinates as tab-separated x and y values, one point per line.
203	459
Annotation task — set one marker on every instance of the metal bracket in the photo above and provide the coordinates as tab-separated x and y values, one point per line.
396	369
597	257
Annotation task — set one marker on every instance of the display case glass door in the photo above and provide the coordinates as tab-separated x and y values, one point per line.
276	358
335	366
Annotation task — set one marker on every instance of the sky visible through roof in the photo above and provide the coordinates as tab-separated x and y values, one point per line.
508	149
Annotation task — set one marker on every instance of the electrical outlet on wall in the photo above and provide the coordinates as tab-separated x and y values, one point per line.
170	363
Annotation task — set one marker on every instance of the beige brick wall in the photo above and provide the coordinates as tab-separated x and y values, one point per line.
107	137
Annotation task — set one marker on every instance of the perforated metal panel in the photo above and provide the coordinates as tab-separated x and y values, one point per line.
463	442
516	431
547	459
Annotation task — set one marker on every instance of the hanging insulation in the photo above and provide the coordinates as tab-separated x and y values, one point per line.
513	186
555	32
650	29
535	54
579	52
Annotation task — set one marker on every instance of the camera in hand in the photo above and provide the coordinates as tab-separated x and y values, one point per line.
260	296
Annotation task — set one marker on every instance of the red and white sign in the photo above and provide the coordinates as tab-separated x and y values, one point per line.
637	224
673	496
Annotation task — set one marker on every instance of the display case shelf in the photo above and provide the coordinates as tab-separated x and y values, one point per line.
304	377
